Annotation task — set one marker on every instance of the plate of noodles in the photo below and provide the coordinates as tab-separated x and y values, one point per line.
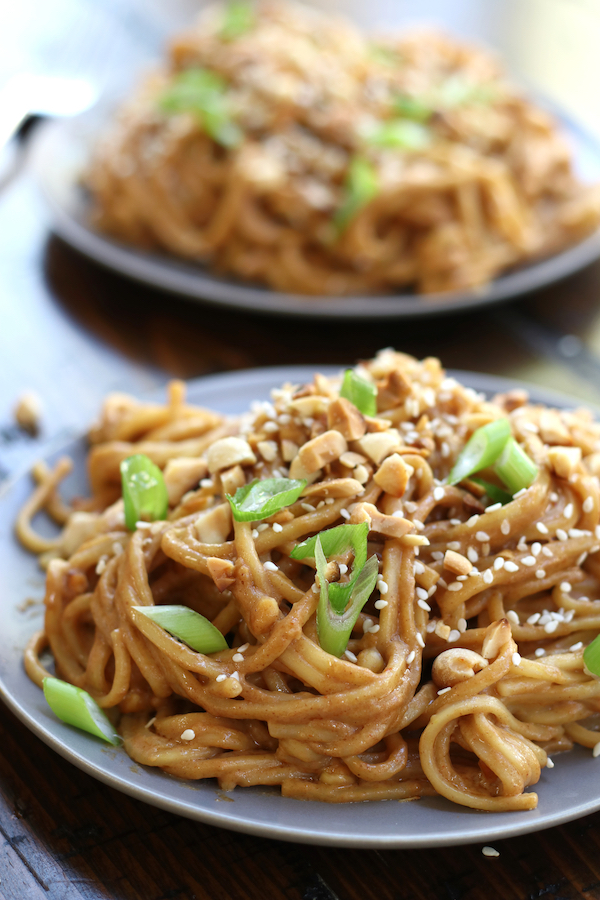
283	161
459	683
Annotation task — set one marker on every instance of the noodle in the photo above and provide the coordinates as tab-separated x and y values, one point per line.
465	177
464	669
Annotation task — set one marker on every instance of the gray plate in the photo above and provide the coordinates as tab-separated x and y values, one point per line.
61	151
568	791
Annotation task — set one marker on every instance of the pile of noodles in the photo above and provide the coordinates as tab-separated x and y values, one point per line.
492	186
464	671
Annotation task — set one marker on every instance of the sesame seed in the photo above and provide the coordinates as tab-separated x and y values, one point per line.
238	657
410	507
499	563
380	604
243	648
528	560
458	522
472	555
117	548
493	507
420	640
101	565
443	691
367	625
596	750
519	493
553	496
143	524
307	507
510	566
236	675
254	533
597	531
351	656
505	527
373	629
565	587
343	568
561	534
455	586
437	555
454	545
418	568
188	735
382	586
445	450
489	851
550	627
575	533
432	590
421	593
344	514
541	528
588	504
418	524
410	657
277	527
482	536
568	510
424	605
549	763
536	548
546	551
262	527
431	626
206	482
271	567
221	677
453	636
540	652
516	659
522	545
541	573
512	616
439	493
329	501
472	520
462	625
488	576
582	559
533	619
461	577
442	583
575	647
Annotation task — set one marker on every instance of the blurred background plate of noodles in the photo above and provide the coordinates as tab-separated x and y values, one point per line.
348	172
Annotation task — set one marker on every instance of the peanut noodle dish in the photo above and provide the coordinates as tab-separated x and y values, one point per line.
280	145
374	586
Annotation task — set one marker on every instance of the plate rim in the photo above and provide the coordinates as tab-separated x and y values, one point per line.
511	824
195	284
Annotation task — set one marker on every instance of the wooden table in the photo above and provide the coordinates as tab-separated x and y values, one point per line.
72	331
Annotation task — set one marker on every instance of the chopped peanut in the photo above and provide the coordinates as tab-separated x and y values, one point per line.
391	526
181	475
344	417
427	578
232	479
221	571
393	390
351	460
337	487
564	460
378	445
214	525
288	450
552	428
309	407
321	450
456	562
227	452
442	630
393	475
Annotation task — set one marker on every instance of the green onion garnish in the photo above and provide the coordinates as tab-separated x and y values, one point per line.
186	624
399	134
203	93
239	19
457	90
413	108
361	393
263	498
591	656
515	468
335	542
76	707
360	187
334	620
495	493
144	490
481	450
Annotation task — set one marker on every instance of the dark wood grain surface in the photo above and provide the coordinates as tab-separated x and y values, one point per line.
72	331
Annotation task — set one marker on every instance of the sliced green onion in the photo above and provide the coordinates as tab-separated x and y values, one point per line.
495	493
399	134
481	450
203	93
361	393
186	624
144	490
335	542
239	19
591	656
335	624
414	108
76	707
457	90
515	468
360	187
264	497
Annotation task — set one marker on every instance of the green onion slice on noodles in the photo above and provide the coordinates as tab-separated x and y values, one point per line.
360	187
495	493
239	19
264	497
591	657
186	624
481	450
361	393
144	490
76	707
203	93
515	468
